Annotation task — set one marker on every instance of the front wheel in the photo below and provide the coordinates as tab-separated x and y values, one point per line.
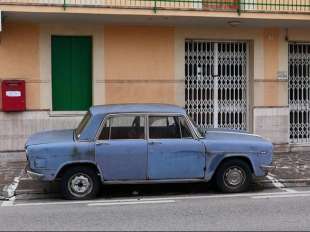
233	176
80	183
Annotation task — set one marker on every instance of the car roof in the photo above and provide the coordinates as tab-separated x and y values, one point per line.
136	108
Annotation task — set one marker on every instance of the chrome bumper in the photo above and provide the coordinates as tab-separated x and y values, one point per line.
34	175
267	168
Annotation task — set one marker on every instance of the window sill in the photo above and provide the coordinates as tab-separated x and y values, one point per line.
66	113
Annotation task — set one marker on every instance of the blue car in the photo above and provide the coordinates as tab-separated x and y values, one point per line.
144	143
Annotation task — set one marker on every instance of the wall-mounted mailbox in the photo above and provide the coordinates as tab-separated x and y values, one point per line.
13	95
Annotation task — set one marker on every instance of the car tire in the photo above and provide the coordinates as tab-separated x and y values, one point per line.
233	176
80	183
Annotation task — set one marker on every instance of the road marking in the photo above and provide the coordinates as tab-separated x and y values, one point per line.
158	199
131	203
8	203
275	181
278	184
10	192
290	190
10	189
282	196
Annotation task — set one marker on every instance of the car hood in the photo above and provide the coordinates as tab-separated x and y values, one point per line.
227	140
53	136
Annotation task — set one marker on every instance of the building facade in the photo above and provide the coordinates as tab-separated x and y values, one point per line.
233	64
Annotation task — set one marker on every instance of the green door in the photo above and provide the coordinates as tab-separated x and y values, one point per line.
71	73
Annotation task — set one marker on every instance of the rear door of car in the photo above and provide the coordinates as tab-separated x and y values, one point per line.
173	150
121	147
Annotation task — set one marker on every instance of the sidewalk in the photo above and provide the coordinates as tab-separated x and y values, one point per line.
11	167
292	170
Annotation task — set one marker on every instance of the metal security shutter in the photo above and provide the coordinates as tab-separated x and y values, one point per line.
299	92
216	83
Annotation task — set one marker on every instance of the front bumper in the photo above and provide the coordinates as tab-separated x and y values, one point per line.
34	175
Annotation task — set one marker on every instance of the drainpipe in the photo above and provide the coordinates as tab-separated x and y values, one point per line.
155	6
239	7
65	5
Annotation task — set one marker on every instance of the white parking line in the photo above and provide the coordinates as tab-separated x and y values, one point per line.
131	203
278	184
10	191
9	202
282	196
274	181
251	195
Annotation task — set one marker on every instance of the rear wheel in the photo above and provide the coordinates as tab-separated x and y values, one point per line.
80	183
233	176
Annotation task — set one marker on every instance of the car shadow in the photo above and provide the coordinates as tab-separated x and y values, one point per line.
52	190
167	189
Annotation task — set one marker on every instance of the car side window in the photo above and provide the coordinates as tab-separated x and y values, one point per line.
164	127
185	131
123	127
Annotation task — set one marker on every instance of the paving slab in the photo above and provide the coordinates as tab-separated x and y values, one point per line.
12	165
292	166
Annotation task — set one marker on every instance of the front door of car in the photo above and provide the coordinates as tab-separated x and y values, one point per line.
121	148
173	152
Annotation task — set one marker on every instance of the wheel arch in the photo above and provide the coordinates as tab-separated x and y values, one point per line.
67	166
225	158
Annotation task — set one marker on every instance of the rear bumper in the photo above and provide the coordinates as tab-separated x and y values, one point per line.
267	168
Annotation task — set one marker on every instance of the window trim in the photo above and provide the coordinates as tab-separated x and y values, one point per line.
108	116
146	128
194	136
188	126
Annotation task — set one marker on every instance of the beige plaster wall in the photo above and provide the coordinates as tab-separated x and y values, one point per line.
271	90
139	64
19	58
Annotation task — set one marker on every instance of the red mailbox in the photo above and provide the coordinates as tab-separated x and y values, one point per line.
13	95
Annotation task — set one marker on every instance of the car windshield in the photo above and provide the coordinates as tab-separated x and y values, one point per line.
82	125
198	130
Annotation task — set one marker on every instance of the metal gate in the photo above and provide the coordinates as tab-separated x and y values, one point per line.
299	92
216	76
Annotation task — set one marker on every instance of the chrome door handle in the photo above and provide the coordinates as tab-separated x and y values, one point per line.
154	142
102	143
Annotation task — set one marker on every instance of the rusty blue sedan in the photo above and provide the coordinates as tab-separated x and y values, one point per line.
144	143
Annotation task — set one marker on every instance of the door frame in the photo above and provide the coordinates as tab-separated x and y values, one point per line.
45	71
194	135
97	140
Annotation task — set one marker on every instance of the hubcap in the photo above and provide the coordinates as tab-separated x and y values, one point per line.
80	185
234	176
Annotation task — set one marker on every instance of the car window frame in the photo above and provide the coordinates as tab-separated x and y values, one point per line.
194	136
188	126
77	135
108	116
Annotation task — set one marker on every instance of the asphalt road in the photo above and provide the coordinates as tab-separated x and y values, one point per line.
277	209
